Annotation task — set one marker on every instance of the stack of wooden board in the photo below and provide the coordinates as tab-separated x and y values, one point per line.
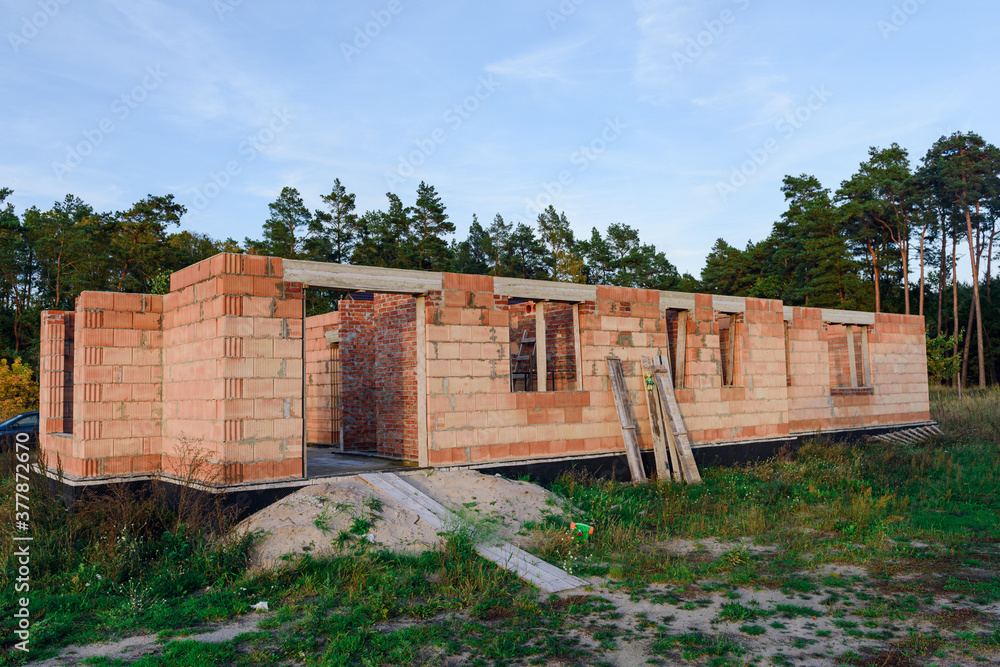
666	422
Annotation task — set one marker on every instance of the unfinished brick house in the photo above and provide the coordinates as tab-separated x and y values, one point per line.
439	369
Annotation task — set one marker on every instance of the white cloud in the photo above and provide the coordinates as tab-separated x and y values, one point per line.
545	64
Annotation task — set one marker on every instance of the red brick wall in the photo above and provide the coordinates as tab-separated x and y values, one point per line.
522	325
560	347
396	376
322	364
357	366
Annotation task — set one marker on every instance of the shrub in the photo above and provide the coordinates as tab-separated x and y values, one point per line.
18	390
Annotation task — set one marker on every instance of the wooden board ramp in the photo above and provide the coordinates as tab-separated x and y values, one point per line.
674	420
910	436
626	415
546	576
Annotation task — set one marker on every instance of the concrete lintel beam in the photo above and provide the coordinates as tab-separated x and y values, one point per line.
834	316
729	304
544	290
361	278
676	300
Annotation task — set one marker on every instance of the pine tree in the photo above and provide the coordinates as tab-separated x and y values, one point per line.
963	170
335	231
287	228
430	224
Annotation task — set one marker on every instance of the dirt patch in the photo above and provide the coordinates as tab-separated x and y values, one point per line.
319	517
134	648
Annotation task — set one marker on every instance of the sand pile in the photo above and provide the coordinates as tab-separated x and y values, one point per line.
320	517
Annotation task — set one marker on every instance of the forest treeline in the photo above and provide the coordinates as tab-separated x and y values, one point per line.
893	238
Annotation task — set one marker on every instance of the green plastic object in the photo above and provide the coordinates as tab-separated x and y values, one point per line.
581	531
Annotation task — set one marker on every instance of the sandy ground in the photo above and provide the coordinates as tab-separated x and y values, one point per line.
314	517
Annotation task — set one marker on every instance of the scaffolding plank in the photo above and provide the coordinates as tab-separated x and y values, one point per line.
626	416
546	576
408	500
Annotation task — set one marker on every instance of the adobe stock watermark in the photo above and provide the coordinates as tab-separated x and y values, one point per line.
786	126
218	181
34	23
714	29
900	16
562	12
581	158
21	556
370	31
223	7
454	117
121	108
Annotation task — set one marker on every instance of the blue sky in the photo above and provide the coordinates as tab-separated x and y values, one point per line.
679	118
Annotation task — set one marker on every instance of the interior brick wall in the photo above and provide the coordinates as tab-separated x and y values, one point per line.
322	368
357	365
396	376
55	380
560	347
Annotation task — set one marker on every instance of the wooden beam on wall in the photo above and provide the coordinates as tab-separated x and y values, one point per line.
422	445
850	355
540	353
681	346
866	371
577	350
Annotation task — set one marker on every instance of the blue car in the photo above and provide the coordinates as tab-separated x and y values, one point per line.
23	423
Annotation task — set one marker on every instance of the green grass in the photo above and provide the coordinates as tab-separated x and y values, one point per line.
122	565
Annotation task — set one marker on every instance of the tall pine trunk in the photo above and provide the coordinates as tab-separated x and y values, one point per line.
974	260
954	303
941	279
923	234
875	277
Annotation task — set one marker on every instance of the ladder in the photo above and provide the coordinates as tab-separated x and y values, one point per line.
523	363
